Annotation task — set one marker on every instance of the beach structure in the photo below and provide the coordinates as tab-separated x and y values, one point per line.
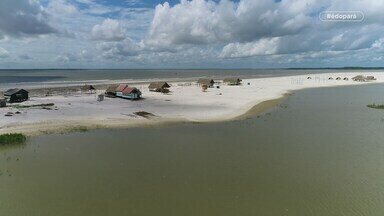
309	78
126	92
111	90
88	89
16	95
159	87
208	82
359	78
330	78
346	78
3	103
232	81
100	97
338	78
370	78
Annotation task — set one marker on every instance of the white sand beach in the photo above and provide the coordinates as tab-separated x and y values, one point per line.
186	102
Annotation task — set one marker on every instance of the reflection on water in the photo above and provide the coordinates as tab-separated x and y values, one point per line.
320	153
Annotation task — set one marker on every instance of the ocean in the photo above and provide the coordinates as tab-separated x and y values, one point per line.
48	78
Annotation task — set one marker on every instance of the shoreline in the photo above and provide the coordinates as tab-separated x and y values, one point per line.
186	104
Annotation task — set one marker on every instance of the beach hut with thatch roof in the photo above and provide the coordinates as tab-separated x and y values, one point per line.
159	87
359	78
16	95
88	88
232	81
370	78
207	82
111	90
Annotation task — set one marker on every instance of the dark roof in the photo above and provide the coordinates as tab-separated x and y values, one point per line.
203	81
232	80
158	85
10	92
87	88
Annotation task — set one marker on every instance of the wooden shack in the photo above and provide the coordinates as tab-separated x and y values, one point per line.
208	82
127	92
159	87
16	95
232	81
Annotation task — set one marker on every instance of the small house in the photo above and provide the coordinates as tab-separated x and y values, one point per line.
159	87
88	88
232	81
359	78
208	82
16	95
131	93
111	90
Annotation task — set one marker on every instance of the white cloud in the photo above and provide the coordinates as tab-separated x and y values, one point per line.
3	53
109	30
23	18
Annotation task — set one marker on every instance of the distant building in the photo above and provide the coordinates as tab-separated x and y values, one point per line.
232	81
159	87
16	95
359	78
126	92
88	88
208	82
111	90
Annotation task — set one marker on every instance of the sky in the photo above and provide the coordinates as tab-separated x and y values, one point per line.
191	34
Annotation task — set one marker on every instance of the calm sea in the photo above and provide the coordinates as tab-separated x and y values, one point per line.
31	78
320	153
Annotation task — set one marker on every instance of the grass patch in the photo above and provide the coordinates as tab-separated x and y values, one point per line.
12	138
81	129
376	106
18	106
144	114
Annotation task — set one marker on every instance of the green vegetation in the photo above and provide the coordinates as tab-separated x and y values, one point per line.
12	138
80	129
144	114
376	106
18	106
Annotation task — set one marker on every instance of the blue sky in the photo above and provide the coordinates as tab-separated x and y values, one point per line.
188	34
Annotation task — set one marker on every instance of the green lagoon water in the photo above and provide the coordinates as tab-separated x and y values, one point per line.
320	153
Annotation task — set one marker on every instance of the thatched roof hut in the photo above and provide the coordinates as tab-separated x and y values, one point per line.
369	78
232	81
208	82
111	90
87	88
359	78
158	86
